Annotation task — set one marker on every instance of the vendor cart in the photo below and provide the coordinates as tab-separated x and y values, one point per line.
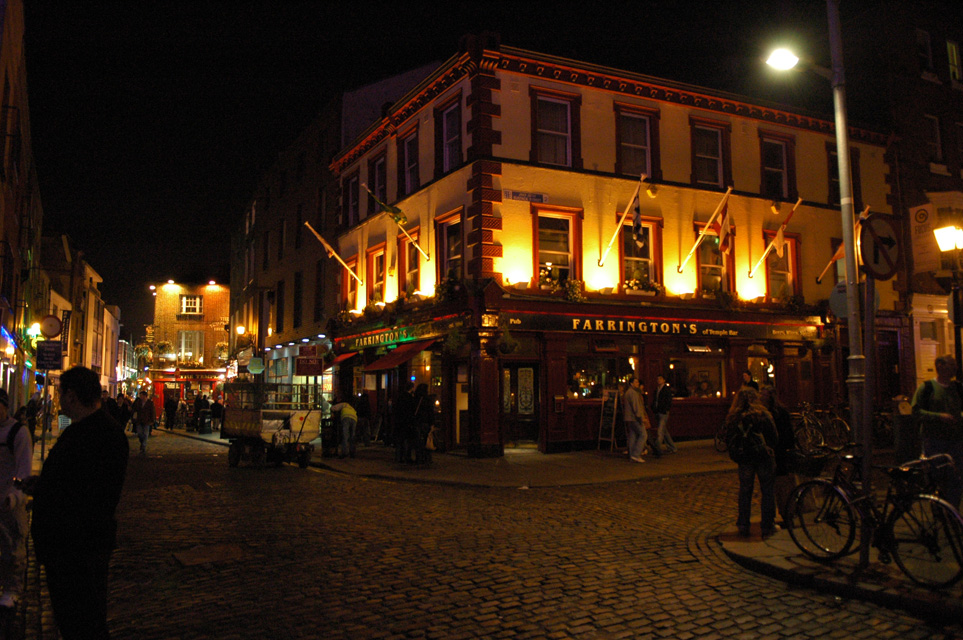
271	423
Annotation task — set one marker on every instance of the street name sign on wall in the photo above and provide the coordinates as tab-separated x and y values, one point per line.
49	355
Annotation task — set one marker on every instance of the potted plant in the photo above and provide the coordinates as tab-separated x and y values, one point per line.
642	287
546	281
573	290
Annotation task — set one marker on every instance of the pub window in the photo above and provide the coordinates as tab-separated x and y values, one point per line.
641	255
190	346
711	164
782	280
410	265
192	305
319	282
589	376
833	165
279	305
282	238
377	182
697	377
408	179
778	166
448	136
931	138
555	128
634	146
350	199
762	369
716	272
298	299
349	286
450	246
557	235
376	275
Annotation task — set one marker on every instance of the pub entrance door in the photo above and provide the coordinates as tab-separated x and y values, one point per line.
519	404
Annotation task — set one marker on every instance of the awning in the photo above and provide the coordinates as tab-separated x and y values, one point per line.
340	358
402	354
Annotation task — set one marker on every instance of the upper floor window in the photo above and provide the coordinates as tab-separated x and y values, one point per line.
641	252
319	287
282	238
777	153
782	281
634	140
190	346
408	179
924	50
833	166
556	136
279	306
716	268
350	196
448	136
193	305
450	245
410	264
711	163
953	56
378	181
298	226
298	299
376	274
557	236
349	286
931	137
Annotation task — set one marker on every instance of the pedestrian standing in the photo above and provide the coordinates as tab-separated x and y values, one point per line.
349	422
143	419
16	456
424	420
661	403
363	407
636	422
785	480
34	406
748	416
747	380
404	417
938	409
217	414
75	497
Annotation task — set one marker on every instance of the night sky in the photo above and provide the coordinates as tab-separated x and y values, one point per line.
151	120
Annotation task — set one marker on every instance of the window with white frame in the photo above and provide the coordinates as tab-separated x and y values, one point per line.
634	144
192	305
554	248
953	57
707	155
190	346
450	248
376	276
775	168
412	268
553	131
377	181
781	270
931	137
451	137
350	286
924	50
409	163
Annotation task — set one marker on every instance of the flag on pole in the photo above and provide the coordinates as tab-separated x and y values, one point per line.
711	225
723	229
637	224
331	252
779	242
636	221
396	214
841	250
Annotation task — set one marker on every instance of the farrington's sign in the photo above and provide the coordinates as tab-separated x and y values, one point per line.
663	326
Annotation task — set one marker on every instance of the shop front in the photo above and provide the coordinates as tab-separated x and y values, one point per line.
184	384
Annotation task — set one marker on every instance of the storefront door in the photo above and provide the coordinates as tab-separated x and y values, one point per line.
519	404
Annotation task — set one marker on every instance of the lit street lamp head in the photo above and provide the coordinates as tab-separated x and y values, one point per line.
782	59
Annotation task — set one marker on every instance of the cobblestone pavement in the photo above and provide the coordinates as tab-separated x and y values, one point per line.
207	551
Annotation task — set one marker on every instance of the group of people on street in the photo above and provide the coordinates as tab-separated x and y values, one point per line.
637	420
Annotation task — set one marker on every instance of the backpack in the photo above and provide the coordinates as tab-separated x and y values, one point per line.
746	444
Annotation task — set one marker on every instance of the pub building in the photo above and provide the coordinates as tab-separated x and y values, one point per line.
555	227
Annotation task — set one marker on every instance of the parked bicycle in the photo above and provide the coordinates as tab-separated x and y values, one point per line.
915	527
820	428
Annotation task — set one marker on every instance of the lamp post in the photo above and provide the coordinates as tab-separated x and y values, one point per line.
856	378
950	238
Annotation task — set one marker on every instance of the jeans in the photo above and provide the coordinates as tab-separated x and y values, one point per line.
635	438
143	432
952	485
662	437
13	549
747	474
347	435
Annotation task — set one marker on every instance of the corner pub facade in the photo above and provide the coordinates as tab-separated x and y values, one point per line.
519	281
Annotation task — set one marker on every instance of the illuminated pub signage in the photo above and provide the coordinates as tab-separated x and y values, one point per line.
687	328
397	335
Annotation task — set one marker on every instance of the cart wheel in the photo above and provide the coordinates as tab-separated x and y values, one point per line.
234	453
258	454
303	459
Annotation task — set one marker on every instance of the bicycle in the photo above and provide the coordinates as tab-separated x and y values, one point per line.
915	527
807	431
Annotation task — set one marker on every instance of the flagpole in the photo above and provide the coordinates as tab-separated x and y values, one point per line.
388	209
332	252
704	229
772	243
638	189
819	278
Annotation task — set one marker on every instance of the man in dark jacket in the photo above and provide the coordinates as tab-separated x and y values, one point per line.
75	497
661	403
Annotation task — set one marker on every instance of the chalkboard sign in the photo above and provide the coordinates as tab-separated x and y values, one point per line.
609	419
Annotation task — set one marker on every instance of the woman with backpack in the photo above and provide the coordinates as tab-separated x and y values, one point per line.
751	435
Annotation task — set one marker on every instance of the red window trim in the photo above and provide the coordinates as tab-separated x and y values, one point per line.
796	239
439	222
400	147
730	260
346	279
655	164
370	254
575	214
790	142
439	112
575	122
403	243
726	149
346	197
658	224
381	154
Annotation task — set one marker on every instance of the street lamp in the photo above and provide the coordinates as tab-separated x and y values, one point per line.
950	238
859	391
783	59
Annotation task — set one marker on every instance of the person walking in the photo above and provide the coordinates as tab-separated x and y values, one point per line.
75	497
636	422
661	403
217	414
143	419
16	456
349	422
938	409
749	417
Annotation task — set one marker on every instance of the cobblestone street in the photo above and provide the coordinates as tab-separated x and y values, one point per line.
206	551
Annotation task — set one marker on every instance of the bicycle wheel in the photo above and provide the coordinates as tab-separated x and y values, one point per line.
928	542
822	520
808	437
720	440
837	434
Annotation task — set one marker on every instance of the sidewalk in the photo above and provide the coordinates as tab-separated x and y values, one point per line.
777	556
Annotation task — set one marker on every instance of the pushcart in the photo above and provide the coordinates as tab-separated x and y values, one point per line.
271	423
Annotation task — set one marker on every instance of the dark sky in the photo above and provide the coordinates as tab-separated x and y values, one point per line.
151	120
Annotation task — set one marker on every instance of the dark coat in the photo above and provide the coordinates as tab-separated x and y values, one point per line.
662	399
